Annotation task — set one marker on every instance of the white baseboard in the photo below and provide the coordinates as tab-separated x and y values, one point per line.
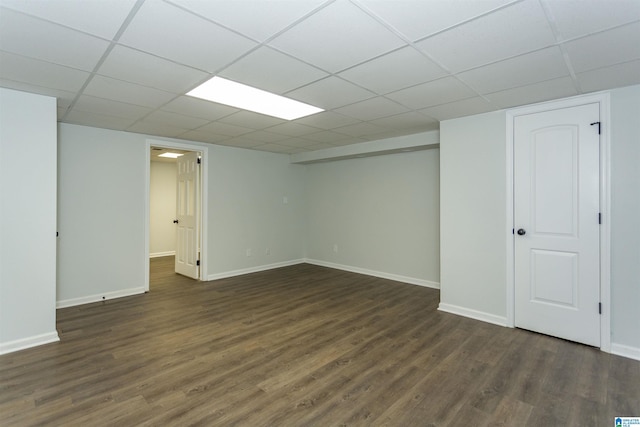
382	275
233	273
625	351
473	314
24	343
160	254
100	297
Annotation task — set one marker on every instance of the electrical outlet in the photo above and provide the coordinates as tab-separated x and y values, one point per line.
249	252
335	248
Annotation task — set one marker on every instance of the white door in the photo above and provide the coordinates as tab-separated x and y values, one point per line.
188	215
556	218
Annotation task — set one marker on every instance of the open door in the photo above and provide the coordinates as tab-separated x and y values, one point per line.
188	215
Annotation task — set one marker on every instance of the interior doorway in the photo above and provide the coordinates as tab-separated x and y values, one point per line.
185	202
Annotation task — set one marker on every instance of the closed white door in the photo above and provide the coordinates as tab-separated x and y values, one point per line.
556	218
188	215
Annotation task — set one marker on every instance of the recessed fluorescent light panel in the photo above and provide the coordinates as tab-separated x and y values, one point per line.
170	155
237	95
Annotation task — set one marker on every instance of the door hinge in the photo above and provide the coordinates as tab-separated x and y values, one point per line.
599	218
57	234
596	123
198	262
599	308
199	160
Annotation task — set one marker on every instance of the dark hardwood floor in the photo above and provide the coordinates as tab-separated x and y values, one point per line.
304	346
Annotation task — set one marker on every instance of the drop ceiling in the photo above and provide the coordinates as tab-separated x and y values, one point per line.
380	68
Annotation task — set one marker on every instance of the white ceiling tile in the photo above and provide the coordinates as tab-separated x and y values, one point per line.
538	92
298	142
176	120
40	73
576	18
604	49
523	70
49	42
465	107
251	120
108	107
411	119
104	121
225	129
419	18
619	75
292	129
372	109
240	142
327	120
157	129
270	70
326	136
184	37
396	70
101	18
133	66
330	93
361	130
257	19
338	36
511	31
118	90
264	137
209	137
440	91
190	106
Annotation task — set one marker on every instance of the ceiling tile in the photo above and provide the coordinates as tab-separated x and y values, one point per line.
270	70
108	107
523	70
538	92
264	137
251	120
40	73
337	37
576	18
195	107
372	109
440	91
101	18
176	120
619	75
152	128
49	42
257	19
187	40
396	70
225	129
240	142
298	142
292	129
465	107
485	39
330	93
604	49
326	136
118	90
411	119
209	137
361	130
133	66
419	18
327	120
86	118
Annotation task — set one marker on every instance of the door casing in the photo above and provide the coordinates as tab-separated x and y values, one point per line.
603	99
204	192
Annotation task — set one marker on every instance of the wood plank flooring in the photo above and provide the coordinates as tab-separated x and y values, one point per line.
304	346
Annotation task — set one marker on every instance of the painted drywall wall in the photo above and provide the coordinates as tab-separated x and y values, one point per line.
27	220
162	208
101	212
625	215
377	214
473	216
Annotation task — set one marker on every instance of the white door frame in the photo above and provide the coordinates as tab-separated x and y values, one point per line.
204	196
603	99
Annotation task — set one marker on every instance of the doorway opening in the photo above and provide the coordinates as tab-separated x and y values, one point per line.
176	207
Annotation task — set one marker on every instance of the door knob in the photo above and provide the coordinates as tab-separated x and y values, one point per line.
521	232
175	221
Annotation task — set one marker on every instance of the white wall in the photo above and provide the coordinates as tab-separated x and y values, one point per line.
625	217
162	208
27	220
473	212
101	212
381	212
473	216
